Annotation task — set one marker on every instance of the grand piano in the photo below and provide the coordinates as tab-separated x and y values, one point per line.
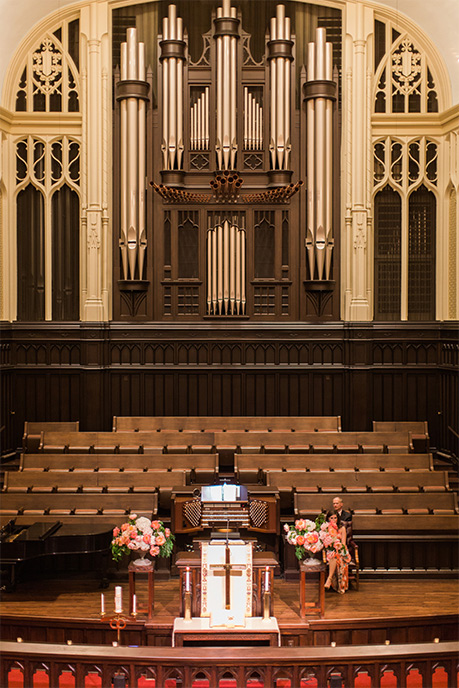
52	547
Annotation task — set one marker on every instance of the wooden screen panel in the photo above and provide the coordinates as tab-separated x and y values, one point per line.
388	217
264	244
421	255
30	254
65	247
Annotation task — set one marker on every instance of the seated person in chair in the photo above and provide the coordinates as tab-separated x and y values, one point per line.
337	554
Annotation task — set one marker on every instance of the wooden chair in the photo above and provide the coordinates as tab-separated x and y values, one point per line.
354	564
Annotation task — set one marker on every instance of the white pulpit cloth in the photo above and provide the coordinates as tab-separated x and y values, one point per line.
214	580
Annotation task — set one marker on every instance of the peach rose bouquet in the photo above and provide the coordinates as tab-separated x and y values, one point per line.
139	534
331	538
305	536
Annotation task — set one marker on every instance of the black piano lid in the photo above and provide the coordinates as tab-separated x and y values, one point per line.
40	530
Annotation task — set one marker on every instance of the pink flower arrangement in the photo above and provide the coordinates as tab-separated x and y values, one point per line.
141	534
332	542
305	535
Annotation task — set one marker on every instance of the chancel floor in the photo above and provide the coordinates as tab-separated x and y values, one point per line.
80	599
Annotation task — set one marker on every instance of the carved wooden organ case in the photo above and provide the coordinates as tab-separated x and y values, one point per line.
238	217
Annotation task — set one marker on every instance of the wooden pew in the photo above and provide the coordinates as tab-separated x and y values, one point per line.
361	481
227	423
72	505
366	504
418	426
249	467
92	481
188	442
203	467
323	442
418	430
439	523
126	442
33	430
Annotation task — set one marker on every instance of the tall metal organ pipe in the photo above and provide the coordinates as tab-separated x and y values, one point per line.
320	93
132	92
226	36
172	58
280	57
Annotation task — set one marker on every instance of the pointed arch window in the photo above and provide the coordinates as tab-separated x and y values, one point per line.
404	79
49	81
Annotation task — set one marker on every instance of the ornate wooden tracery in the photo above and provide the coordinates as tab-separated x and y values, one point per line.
228	138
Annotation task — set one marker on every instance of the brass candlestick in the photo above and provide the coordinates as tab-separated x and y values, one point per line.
187	612
118	623
266	605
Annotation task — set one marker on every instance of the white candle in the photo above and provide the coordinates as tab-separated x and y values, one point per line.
187	579
134	604
118	600
267	579
102	603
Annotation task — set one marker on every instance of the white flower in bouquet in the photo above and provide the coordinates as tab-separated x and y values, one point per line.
144	524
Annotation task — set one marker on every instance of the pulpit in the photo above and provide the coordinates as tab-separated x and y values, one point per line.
226	581
189	563
227	590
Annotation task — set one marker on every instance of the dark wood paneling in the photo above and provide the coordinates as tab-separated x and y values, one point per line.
363	373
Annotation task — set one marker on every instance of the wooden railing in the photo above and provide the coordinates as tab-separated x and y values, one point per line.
432	665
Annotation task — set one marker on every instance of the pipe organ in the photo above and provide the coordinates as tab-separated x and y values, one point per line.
132	92
234	134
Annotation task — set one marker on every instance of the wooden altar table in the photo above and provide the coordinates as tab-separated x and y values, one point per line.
255	631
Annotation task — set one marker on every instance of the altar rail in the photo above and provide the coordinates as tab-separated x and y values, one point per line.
308	635
263	667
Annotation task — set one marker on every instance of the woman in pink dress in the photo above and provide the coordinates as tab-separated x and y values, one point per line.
333	536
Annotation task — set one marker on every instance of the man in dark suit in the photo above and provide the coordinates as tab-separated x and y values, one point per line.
338	507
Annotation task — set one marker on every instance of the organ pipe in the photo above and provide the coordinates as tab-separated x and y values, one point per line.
280	56
199	121
226	35
172	58
132	92
123	171
320	93
310	139
225	267
253	122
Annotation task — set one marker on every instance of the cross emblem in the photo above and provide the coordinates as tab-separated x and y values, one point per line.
228	569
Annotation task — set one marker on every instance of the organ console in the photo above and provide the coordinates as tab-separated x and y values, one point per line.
256	509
